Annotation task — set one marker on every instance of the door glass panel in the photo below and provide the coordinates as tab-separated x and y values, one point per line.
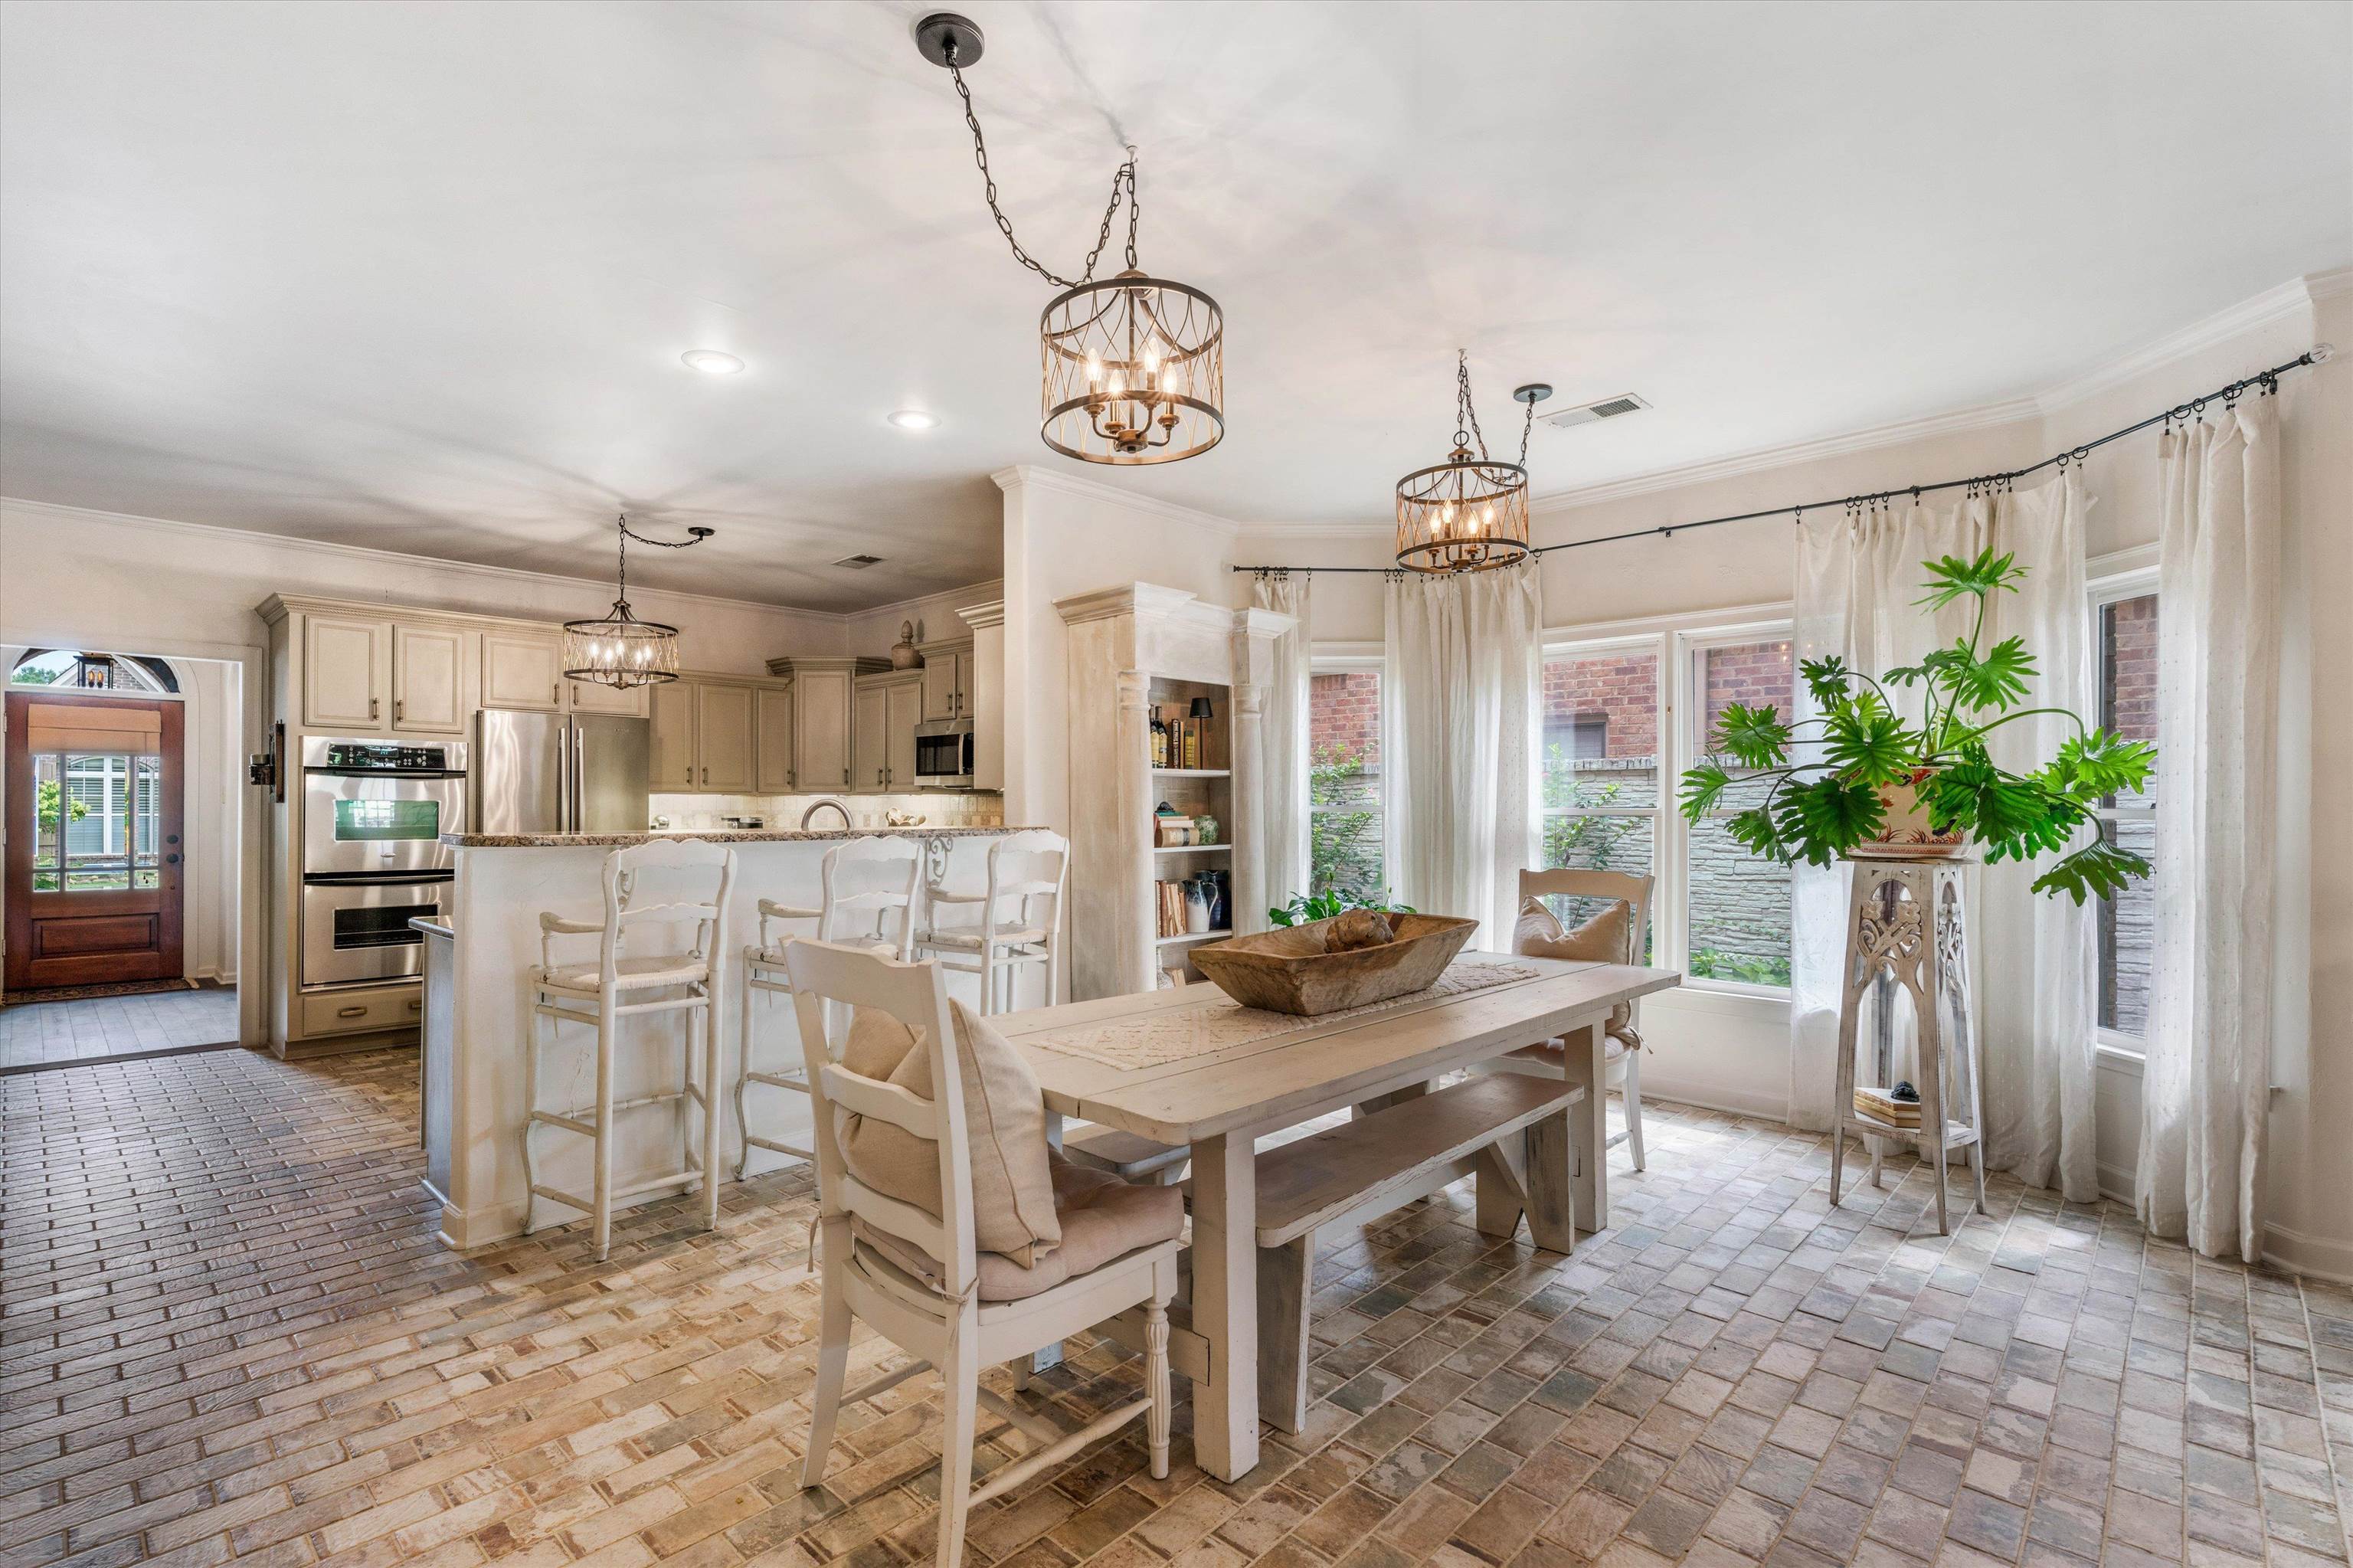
382	926
51	809
377	821
146	823
98	821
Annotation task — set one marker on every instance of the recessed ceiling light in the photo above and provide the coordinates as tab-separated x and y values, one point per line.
711	362
914	420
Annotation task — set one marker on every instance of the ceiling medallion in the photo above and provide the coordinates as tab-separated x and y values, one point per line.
1469	514
1133	366
620	650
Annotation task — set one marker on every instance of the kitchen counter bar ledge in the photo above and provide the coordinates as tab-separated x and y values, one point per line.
479	1024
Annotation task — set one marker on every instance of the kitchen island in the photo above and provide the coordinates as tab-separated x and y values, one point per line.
479	1034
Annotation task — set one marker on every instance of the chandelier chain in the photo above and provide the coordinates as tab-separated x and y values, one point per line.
1466	416
627	534
1123	179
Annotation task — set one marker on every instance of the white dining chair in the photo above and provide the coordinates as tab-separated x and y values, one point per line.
860	883
1020	921
600	994
919	1278
1621	1042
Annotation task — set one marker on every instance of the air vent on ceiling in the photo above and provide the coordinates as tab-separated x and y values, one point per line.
1587	413
858	563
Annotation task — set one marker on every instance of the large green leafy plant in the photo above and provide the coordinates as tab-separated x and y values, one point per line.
1820	808
1304	908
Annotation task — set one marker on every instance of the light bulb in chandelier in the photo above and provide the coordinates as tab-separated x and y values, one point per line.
620	649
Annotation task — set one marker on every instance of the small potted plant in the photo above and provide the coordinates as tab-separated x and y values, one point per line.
1868	781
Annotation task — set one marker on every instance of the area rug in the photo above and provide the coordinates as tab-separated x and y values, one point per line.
84	992
1220	1022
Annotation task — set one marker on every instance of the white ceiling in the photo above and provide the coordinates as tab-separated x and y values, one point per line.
418	276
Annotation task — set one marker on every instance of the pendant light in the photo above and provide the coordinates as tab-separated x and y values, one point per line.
1469	514
620	650
1132	366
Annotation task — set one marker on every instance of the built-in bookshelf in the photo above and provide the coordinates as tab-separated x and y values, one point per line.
1140	654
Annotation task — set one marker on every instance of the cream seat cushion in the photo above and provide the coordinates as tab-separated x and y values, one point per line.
1607	939
1103	1220
1004	1114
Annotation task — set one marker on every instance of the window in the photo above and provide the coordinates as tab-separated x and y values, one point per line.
1601	763
64	669
95	820
2124	640
1343	780
1736	906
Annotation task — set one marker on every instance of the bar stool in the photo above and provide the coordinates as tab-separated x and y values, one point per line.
1030	869
593	993
858	876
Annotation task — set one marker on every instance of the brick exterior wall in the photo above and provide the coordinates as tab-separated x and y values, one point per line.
2127	923
1619	689
1343	708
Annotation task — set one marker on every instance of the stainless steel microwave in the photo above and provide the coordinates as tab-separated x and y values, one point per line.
943	755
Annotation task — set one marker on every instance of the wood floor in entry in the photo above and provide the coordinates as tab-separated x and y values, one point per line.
231	1336
38	1033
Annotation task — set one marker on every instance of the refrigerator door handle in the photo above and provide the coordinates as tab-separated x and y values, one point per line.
579	777
563	780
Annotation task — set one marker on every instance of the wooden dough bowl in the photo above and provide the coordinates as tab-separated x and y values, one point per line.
1291	969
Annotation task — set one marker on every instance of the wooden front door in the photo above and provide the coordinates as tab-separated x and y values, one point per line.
95	853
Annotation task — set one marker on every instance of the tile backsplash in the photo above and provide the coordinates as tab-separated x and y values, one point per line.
943	808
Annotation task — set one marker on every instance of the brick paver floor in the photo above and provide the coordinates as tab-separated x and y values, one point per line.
228	1333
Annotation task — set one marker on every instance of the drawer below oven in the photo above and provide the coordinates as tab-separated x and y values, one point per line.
359	1008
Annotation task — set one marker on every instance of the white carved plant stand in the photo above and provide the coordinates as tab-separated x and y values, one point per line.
1906	919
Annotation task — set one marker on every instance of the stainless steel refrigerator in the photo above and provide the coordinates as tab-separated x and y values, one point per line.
560	773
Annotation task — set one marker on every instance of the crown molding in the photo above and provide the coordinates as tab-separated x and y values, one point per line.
2006	412
2295	295
58	511
2329	284
1028	475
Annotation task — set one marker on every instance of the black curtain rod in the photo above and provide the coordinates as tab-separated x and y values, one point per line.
2268	381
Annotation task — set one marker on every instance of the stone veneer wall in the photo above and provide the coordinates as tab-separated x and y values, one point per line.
2128	924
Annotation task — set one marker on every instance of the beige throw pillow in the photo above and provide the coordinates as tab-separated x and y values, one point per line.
1004	1110
1607	939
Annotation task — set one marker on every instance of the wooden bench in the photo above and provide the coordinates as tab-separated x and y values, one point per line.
1385	1159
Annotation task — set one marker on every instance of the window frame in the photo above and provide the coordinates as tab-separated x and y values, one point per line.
1358	662
1680	644
2099	592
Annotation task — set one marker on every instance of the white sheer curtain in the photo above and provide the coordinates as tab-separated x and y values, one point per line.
2206	1087
1283	814
2031	982
1463	656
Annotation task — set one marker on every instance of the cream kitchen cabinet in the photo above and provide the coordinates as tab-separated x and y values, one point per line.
885	710
947	679
670	750
346	667
772	775
595	697
428	678
822	745
523	670
725	750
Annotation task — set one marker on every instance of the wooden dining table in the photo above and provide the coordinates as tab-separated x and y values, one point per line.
1220	1099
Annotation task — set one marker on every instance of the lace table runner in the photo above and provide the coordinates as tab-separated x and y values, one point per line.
1176	1035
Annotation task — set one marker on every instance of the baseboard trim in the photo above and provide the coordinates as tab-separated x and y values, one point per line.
1762	1108
2314	1257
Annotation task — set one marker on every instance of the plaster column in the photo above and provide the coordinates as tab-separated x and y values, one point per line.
1250	753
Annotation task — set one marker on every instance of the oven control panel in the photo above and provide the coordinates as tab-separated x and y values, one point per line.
386	756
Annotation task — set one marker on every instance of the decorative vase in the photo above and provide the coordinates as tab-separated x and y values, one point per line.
1220	902
1205	829
1904	831
1197	909
903	652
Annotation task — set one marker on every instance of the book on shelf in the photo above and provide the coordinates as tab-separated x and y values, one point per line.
1879	1105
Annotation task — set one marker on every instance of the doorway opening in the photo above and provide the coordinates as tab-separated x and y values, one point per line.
121	835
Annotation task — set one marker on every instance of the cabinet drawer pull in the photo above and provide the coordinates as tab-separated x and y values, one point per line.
351	1012
415	1005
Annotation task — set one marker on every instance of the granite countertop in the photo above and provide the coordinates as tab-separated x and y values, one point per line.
716	836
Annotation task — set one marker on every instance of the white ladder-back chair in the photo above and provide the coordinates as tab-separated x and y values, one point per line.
672	874
1623	1057
948	1322
860	879
1020	920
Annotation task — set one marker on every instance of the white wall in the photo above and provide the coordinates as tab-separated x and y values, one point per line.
1732	1052
1065	535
